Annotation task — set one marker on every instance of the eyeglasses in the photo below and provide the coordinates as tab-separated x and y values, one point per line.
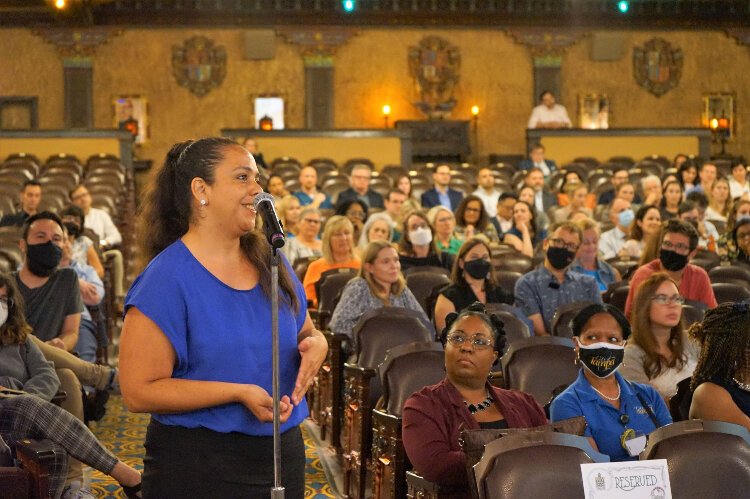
443	220
311	220
8	302
682	248
475	210
668	300
477	342
560	243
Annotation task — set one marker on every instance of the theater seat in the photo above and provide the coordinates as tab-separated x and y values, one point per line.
535	465
706	459
423	283
405	370
328	288
563	315
40	460
538	365
737	274
728	292
617	295
376	332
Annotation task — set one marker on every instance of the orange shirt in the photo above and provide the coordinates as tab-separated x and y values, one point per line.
315	270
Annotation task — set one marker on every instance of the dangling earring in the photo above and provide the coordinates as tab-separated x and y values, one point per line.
577	361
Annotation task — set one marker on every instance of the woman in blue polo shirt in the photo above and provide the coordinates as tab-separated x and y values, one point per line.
616	410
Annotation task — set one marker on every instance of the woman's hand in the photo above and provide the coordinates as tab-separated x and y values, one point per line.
260	403
523	227
313	350
469	231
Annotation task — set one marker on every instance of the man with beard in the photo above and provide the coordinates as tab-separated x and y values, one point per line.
678	245
540	293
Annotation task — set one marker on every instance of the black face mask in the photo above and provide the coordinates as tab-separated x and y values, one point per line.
73	229
671	260
602	359
43	259
478	269
560	258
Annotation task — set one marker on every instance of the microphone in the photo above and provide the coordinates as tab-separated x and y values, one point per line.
272	226
554	285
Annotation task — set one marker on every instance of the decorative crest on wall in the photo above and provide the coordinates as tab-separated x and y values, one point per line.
434	64
199	65
76	43
657	67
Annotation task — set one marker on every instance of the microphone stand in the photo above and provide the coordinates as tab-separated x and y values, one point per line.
277	492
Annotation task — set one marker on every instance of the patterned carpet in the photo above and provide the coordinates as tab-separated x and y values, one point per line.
123	433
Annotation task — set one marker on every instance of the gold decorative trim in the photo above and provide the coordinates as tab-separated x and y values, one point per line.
76	43
317	46
544	42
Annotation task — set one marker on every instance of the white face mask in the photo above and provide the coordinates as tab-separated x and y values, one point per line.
421	237
3	313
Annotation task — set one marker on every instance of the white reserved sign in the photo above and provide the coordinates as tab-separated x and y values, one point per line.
627	480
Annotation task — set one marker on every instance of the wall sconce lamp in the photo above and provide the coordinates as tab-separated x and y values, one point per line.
386	113
475	121
720	129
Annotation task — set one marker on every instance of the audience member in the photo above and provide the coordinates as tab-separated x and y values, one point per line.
541	292
360	189
707	230
543	198
738	184
576	198
83	249
587	260
671	199
377	228
678	160
306	243
707	175
30	197
626	191
687	174
395	202
276	186
721	381
740	237
379	284
659	353
418	247
725	245
289	209
109	236
619	176
548	114
251	145
525	235
309	195
472	220
613	241
647	225
536	159
563	195
678	244
403	183
616	410
441	193
338	252
651	187
719	201
527	195
473	281
487	192
443	224
435	415
356	211
504	219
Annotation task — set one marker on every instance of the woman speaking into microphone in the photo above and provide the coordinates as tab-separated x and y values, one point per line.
196	351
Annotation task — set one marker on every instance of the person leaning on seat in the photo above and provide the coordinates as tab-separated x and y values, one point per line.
195	349
435	416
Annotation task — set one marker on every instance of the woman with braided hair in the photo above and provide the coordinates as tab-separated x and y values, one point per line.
435	415
721	381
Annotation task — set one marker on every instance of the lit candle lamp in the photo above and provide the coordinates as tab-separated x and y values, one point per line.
386	113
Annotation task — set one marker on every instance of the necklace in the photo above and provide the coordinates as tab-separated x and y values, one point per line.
744	386
609	398
484	404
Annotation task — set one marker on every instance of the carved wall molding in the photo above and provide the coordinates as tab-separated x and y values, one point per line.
317	46
76	43
543	42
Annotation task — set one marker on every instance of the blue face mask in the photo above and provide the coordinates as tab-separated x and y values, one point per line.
626	217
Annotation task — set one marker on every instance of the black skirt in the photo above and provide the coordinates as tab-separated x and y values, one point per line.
200	463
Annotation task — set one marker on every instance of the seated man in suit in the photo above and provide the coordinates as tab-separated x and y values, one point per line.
31	196
544	199
536	160
541	292
619	177
441	194
360	188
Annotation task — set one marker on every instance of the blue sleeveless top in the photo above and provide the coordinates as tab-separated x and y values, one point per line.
219	334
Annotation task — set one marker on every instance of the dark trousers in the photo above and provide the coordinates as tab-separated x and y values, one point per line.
200	463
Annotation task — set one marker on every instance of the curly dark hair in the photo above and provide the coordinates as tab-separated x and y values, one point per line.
484	219
477	309
724	336
16	329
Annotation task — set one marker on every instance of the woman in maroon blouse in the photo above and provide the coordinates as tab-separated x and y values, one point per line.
434	416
